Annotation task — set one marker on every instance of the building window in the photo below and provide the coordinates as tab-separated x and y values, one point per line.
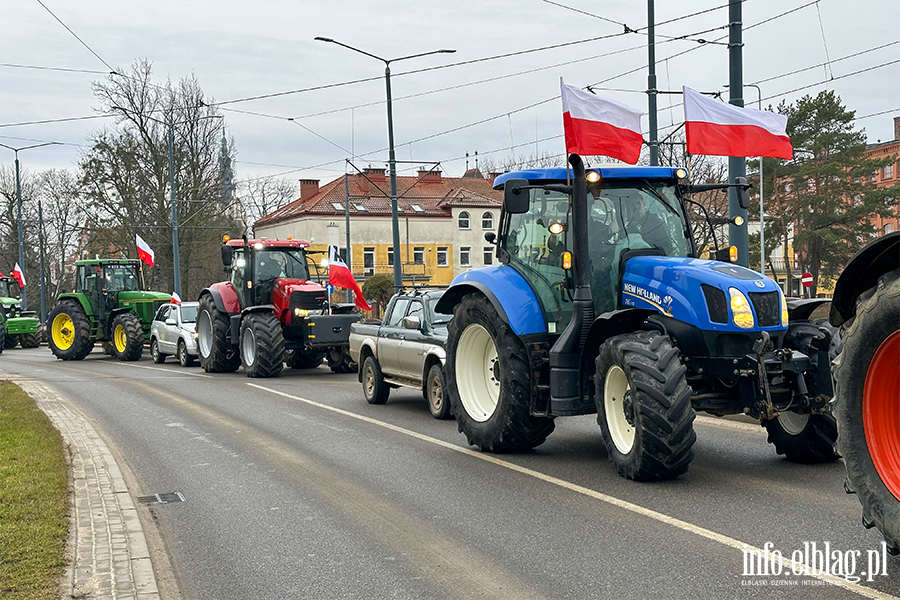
463	220
417	208
487	220
889	171
488	255
391	256
464	256
442	256
338	206
368	261
889	228
419	255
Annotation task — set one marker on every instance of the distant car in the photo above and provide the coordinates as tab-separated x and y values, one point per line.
405	349
173	333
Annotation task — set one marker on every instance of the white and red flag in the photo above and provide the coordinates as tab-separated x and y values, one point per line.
717	128
145	253
339	274
176	299
599	126
19	275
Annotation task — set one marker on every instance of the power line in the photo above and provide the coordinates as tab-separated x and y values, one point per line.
825	63
63	69
834	78
91	50
55	120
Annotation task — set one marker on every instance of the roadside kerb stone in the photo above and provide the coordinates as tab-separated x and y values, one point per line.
108	553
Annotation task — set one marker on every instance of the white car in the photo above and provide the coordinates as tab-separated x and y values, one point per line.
173	333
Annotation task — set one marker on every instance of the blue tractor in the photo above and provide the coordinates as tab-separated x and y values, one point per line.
600	303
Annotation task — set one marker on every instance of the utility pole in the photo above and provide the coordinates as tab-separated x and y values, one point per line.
737	165
41	244
347	227
175	259
651	84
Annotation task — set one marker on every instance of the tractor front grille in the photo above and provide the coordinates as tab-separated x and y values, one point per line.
715	304
768	308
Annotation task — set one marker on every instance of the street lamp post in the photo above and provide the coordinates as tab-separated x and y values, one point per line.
19	210
176	263
395	225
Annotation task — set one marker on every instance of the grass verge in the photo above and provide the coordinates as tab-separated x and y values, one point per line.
33	500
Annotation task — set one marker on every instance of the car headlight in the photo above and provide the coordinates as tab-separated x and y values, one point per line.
784	310
194	335
741	314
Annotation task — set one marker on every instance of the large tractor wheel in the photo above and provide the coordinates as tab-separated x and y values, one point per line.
489	381
31	340
803	438
70	331
644	406
262	345
11	341
339	360
216	354
128	337
298	359
867	381
2	336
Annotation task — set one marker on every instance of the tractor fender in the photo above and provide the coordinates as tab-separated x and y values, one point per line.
508	292
610	324
260	308
861	273
799	309
225	296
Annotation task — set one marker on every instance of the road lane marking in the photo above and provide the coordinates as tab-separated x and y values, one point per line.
787	563
177	372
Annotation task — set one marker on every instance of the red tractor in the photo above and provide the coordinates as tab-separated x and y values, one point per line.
270	312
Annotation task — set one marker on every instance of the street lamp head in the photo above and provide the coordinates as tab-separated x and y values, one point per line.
446	51
323	39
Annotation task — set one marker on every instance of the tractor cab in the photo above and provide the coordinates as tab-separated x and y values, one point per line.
9	289
103	282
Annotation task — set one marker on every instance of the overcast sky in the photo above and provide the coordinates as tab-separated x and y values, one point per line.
238	49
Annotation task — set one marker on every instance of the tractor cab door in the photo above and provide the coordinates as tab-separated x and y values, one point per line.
91	283
239	275
537	254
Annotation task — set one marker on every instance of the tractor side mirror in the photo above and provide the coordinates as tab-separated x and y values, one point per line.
490	237
227	255
516	199
411	322
743	192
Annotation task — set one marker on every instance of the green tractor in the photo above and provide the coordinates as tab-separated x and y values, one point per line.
16	326
107	306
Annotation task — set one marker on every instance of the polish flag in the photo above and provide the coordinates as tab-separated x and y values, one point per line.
339	274
720	129
19	275
176	299
599	126
145	253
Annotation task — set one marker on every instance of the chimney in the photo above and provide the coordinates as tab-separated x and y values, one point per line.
494	175
376	175
429	176
308	189
897	128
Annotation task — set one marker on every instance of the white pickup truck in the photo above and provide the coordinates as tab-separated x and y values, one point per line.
405	349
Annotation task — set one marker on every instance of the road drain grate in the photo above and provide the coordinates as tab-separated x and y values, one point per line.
164	498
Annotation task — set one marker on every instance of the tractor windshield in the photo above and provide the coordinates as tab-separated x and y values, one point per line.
272	263
8	289
122	278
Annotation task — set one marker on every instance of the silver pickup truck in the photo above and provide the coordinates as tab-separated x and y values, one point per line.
405	349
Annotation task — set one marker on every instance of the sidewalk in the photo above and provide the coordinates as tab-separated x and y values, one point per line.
108	555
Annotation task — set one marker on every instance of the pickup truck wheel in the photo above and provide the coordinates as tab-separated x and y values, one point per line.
644	406
262	345
157	356
488	380
339	360
375	389
866	407
438	403
804	439
216	353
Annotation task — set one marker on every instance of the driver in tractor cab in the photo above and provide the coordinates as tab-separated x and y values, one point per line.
270	269
649	225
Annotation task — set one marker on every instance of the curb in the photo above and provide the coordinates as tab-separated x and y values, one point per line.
108	554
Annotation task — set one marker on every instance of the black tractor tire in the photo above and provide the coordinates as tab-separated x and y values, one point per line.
11	341
262	345
108	348
806	442
339	360
223	357
298	359
82	343
509	426
647	383
134	337
157	356
32	340
184	359
438	403
877	319
375	389
2	337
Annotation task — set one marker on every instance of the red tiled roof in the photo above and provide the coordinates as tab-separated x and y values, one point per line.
435	198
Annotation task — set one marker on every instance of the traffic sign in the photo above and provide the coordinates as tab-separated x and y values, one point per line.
330	288
806	279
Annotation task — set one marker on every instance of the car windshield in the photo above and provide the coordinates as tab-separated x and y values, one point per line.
272	263
121	278
188	314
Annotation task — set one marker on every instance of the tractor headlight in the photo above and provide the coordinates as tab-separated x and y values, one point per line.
300	312
741	314
784	310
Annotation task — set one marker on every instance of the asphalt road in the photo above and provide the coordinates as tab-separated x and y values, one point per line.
294	487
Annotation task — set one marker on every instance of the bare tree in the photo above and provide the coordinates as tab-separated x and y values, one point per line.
261	196
63	223
9	221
